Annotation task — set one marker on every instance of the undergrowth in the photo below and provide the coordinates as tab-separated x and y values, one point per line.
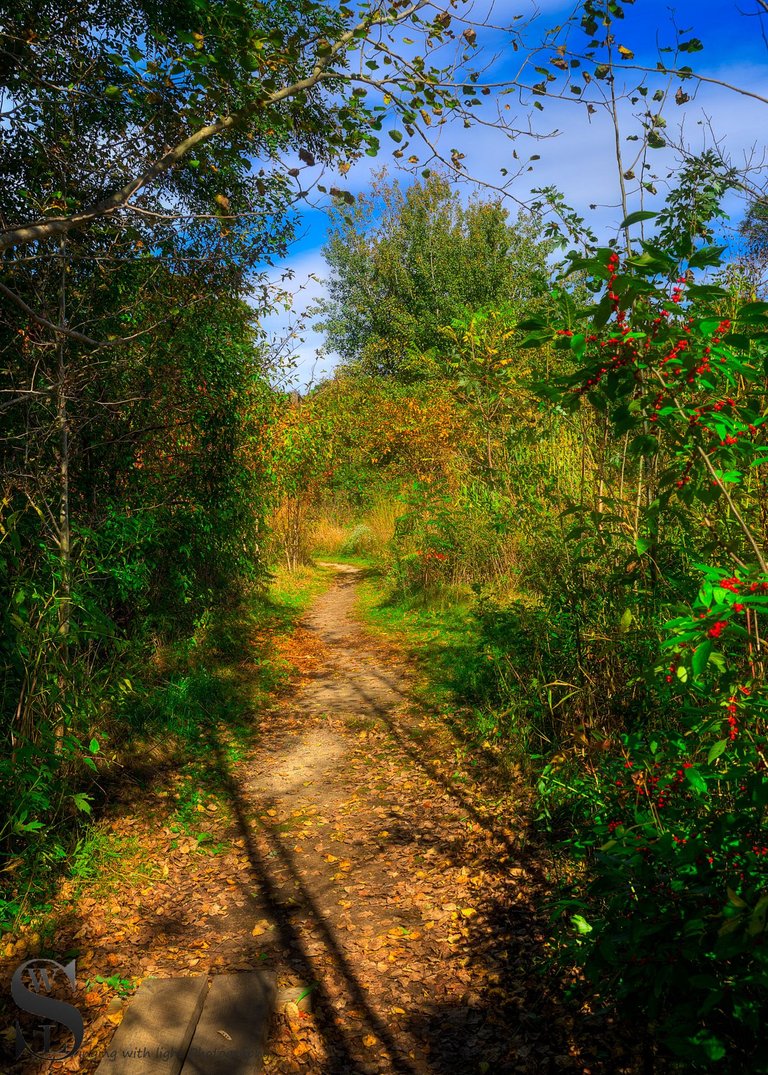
180	723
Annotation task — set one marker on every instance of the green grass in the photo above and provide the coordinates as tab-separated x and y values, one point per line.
438	630
460	670
354	559
292	594
100	855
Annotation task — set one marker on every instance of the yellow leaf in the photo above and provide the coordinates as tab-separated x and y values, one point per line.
625	53
369	1041
292	1014
468	912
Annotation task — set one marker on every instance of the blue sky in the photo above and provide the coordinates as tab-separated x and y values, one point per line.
580	159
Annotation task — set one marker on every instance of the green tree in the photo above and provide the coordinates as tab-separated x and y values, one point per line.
754	231
406	263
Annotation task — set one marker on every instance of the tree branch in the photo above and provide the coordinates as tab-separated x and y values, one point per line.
58	226
59	329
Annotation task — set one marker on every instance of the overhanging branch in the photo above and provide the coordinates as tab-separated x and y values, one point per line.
54	227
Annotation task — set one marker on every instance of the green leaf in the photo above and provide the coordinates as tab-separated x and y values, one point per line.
93	746
706	292
578	344
28	826
757	919
537	339
701	657
707	256
635	218
82	802
582	926
716	750
696	780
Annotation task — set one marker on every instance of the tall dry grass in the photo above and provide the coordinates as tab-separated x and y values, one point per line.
337	530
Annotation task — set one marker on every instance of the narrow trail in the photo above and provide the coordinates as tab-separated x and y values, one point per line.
391	880
367	856
368	870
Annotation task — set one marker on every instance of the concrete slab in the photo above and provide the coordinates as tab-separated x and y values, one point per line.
157	1028
232	1030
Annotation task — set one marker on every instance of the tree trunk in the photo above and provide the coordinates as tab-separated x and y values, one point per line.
64	530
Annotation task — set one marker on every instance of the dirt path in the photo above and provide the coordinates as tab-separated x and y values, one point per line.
366	864
390	881
362	856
